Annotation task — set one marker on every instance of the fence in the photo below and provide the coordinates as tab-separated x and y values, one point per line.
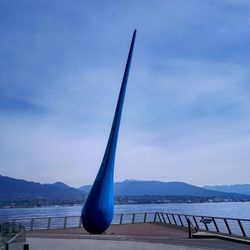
75	221
230	226
12	236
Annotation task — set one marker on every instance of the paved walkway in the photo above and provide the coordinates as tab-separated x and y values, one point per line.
129	236
80	244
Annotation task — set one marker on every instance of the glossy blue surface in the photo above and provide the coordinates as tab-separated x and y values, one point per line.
98	210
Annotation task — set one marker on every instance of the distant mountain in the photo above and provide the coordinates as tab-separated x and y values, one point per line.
237	188
137	188
14	190
24	193
86	188
60	185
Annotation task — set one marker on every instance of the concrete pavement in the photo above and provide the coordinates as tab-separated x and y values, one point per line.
87	244
136	236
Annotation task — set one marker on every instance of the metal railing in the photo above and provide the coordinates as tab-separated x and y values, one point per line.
12	236
17	242
75	221
229	226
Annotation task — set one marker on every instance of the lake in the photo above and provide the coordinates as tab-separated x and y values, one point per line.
227	209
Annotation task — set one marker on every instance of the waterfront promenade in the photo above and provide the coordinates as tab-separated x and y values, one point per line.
137	236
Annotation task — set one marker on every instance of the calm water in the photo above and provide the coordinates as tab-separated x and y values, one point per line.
227	209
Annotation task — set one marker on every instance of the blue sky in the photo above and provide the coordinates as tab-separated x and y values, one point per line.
186	113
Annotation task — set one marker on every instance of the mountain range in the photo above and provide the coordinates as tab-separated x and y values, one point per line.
14	189
236	188
139	188
31	193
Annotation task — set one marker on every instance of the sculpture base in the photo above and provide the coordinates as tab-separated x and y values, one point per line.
96	221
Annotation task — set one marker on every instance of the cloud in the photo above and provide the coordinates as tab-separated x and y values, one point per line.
20	106
186	113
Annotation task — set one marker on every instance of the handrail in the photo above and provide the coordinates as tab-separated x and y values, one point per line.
13	237
70	216
212	217
215	224
228	226
206	216
37	218
130	213
16	236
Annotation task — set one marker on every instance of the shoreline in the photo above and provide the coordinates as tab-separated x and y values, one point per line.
119	204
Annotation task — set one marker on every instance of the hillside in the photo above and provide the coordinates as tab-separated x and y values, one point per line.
22	193
138	188
237	188
15	190
60	185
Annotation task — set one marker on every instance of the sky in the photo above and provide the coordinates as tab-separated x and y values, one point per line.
186	114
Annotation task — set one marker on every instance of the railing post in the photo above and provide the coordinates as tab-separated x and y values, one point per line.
195	221
31	224
155	217
205	224
121	218
174	219
215	224
162	215
80	222
180	219
26	247
13	222
228	228
145	218
133	219
65	222
49	221
168	219
7	246
242	228
158	214
189	228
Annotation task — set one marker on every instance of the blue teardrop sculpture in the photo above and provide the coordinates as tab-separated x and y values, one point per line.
98	210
